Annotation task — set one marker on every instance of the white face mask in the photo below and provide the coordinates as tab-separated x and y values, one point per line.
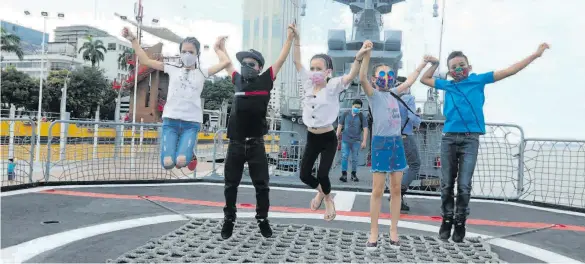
188	59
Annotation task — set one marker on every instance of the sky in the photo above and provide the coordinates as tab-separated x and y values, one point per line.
546	99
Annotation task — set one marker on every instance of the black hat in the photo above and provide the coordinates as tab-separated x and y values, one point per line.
251	54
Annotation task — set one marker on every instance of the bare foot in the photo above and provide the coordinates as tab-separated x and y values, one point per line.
329	208
394	234
373	237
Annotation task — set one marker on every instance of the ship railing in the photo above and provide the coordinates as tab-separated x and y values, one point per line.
509	166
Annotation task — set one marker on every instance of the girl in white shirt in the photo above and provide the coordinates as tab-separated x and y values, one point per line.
182	114
320	110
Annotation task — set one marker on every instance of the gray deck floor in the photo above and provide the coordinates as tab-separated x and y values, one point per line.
23	216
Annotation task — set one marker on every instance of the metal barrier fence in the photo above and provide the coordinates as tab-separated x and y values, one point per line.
509	167
20	148
107	157
554	172
498	163
283	159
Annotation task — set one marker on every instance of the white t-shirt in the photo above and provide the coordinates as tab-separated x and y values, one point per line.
184	94
322	109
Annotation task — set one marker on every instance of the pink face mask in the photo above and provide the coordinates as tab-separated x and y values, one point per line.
318	77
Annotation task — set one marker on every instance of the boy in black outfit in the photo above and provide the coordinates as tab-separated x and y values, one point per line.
246	129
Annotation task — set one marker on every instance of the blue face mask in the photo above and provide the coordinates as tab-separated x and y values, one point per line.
355	110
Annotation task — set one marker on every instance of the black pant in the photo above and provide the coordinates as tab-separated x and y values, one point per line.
240	152
326	145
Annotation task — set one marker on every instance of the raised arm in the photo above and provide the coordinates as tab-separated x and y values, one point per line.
355	66
230	67
142	57
297	52
224	60
515	68
403	87
364	78
427	78
285	50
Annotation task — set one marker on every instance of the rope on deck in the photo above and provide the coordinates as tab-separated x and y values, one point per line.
520	233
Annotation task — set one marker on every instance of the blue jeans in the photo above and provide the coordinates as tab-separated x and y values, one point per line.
346	148
458	158
388	154
413	160
178	142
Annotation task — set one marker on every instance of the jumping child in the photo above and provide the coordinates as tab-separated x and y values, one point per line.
246	129
387	146
182	115
320	110
463	110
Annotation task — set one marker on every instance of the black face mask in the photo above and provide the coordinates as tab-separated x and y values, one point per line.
249	73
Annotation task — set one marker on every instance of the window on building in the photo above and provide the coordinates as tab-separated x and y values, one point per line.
111	46
256	32
265	27
276	27
246	32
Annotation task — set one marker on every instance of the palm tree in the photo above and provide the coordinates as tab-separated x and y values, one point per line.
93	50
123	60
10	43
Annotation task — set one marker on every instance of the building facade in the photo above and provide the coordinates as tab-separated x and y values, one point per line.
73	33
265	29
30	40
31	64
115	48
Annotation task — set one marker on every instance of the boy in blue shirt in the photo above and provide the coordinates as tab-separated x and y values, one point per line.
463	110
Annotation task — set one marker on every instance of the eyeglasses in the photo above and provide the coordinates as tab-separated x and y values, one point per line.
391	74
249	64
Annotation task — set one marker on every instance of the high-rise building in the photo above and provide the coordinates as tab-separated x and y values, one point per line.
265	29
30	40
72	34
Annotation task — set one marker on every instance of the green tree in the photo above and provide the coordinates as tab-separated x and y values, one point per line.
53	89
10	43
17	88
123	60
214	92
93	50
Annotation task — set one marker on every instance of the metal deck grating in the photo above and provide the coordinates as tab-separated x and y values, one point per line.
199	241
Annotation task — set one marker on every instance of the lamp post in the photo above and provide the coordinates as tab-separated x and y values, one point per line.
435	14
138	16
45	16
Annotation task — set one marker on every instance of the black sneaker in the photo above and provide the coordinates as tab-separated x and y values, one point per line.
354	177
445	230
227	228
404	206
343	176
265	228
459	232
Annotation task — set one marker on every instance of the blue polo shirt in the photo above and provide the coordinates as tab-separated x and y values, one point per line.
464	101
352	126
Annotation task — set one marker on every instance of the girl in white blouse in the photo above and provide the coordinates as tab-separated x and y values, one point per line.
320	110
